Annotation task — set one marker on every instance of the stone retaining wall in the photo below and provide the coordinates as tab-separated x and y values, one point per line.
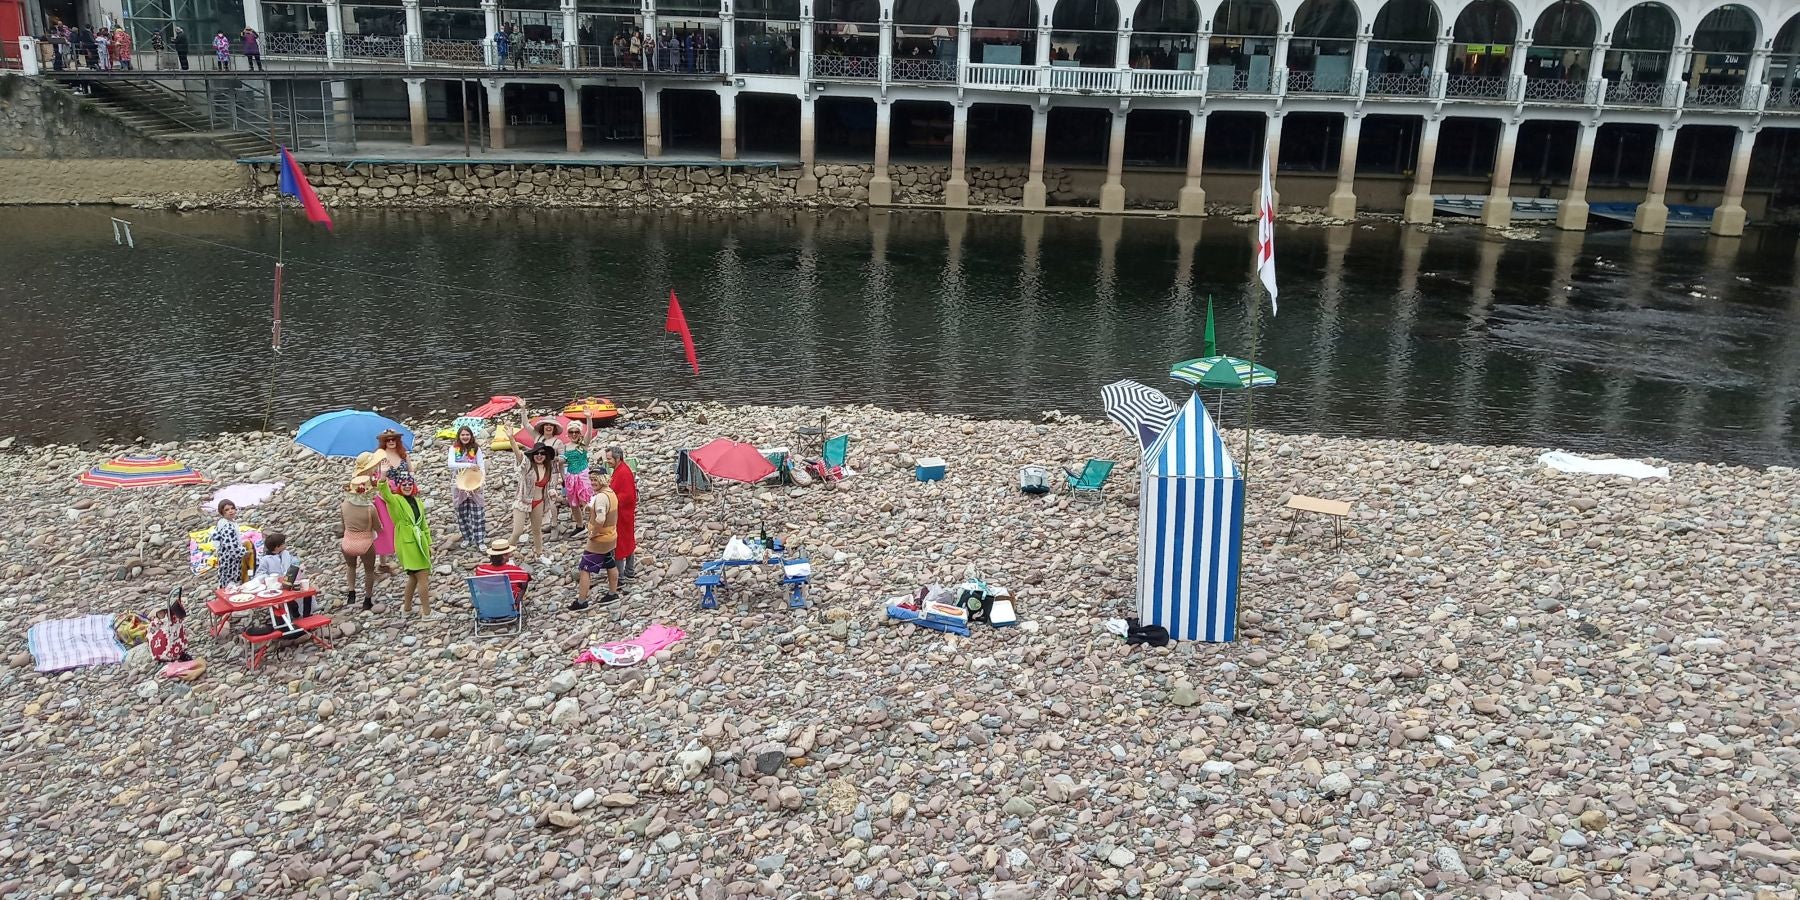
486	184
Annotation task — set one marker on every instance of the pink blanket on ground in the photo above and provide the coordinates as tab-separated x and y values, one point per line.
634	651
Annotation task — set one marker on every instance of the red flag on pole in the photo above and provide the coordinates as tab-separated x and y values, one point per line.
676	323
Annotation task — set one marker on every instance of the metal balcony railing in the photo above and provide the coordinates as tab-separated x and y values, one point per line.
913	69
1396	84
1551	90
1300	82
857	67
374	46
289	44
444	50
1640	93
1784	99
1478	87
1717	96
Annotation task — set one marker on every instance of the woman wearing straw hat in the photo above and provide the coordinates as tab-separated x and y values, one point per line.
468	468
358	540
370	464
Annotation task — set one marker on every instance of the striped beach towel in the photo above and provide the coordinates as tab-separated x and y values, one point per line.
66	644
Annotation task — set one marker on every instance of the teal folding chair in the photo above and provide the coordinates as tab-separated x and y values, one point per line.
836	451
1086	487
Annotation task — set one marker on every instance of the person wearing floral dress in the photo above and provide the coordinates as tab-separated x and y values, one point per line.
121	48
222	50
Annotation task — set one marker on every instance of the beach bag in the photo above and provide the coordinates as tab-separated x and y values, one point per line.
1034	480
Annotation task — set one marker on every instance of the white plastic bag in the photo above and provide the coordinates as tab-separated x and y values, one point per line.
737	550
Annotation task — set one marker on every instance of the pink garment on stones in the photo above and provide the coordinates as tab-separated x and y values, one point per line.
634	651
384	534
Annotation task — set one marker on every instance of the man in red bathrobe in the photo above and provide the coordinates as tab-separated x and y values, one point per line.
624	484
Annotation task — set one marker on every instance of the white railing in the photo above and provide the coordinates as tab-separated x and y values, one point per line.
1083	80
1394	84
909	69
1639	93
1478	87
1002	76
1165	81
1717	96
1784	99
859	67
288	44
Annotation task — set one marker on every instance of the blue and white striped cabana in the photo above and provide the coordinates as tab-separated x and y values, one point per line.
1190	531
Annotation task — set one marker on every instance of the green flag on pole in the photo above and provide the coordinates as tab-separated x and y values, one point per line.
1212	343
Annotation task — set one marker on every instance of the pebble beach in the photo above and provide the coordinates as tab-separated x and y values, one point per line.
1508	682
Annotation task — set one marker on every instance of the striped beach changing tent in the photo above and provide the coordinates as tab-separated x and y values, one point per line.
1190	531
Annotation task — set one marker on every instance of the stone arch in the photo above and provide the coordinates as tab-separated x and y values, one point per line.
1406	21
1241	51
1731	28
1247	18
926	12
1649	26
1482	41
1166	16
1719	67
1569	24
1402	45
1561	59
1784	66
1321	56
1327	19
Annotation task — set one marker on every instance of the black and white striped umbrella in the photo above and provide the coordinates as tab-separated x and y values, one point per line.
1145	412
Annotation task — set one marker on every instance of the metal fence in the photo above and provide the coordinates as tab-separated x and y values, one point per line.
917	69
1640	93
1299	82
1399	84
859	67
1479	87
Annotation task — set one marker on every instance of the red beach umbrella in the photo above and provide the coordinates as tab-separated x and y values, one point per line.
732	461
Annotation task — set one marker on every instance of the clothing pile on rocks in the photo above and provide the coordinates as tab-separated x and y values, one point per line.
953	610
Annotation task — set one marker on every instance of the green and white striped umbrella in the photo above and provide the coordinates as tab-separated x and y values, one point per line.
1227	373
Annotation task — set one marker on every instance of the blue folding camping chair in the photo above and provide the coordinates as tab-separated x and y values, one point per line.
496	609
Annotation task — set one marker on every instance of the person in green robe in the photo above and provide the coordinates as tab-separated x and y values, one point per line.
412	537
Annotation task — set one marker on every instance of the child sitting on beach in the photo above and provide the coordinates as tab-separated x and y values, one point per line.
277	560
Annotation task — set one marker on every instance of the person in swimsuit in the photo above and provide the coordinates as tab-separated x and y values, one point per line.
602	517
548	433
358	544
536	469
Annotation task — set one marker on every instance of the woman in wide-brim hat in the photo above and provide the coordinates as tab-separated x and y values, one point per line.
360	524
367	465
468	471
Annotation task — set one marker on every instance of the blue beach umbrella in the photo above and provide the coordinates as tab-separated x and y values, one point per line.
348	432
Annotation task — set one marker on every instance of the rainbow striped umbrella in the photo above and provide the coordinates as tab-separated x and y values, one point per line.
140	471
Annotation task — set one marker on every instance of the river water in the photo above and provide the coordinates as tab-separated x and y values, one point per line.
1684	348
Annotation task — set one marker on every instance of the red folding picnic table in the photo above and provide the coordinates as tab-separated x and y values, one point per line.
283	620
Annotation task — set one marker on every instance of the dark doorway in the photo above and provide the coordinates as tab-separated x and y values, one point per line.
1000	133
1389	145
614	116
1156	138
768	124
1544	153
1466	147
1078	136
844	129
921	132
1702	155
1311	142
534	115
1622	155
690	122
1234	141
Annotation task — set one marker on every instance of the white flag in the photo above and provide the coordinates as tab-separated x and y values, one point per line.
1265	236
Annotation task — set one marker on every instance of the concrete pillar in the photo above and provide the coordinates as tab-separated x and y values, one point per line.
1034	183
415	107
885	62
727	41
956	190
496	97
1679	61
571	35
1112	193
1122	49
1440	56
728	124
1418	203
1278	65
1271	147
881	188
806	41
572	115
1043	42
1653	214
1343	198
1359	63
490	17
334	30
1193	196
809	182
253	15
652	122
1728	219
415	30
1572	213
1497	211
962	44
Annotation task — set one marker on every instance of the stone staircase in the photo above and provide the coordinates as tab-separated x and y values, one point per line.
165	115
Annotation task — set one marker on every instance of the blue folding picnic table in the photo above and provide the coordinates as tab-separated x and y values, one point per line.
713	584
